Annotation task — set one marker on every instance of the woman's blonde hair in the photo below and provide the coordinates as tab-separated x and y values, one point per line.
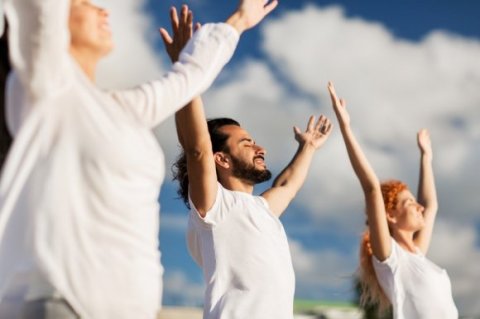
371	292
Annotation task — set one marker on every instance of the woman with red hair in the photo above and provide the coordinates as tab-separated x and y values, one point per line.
393	266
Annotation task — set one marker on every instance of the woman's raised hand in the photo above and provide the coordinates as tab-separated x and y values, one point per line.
424	142
339	106
250	13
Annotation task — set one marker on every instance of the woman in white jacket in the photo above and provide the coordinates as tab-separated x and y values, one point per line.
78	195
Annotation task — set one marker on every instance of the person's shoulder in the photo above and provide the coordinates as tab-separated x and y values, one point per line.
260	200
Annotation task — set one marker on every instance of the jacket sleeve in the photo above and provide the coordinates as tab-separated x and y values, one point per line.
38	43
200	62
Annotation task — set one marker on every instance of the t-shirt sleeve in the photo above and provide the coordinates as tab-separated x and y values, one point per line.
199	63
263	201
217	213
390	264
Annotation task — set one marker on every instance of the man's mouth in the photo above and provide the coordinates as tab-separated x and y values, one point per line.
259	159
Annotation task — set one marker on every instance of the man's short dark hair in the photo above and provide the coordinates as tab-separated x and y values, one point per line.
219	144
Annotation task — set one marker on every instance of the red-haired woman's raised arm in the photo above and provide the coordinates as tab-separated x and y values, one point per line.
379	234
427	194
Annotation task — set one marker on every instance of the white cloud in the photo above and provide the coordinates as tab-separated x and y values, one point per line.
133	59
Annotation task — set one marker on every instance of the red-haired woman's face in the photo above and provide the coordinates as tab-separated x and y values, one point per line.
408	214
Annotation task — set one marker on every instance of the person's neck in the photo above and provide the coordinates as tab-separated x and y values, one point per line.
236	184
87	62
405	239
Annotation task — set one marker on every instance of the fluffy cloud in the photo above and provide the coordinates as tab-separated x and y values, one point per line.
133	59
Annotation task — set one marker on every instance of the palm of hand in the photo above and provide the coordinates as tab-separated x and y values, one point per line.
253	11
316	133
424	142
313	138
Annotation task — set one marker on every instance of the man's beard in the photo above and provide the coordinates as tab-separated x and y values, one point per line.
249	173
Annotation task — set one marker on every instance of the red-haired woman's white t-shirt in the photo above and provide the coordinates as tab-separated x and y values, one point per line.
416	287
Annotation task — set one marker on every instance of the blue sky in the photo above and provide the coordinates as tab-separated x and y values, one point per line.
401	65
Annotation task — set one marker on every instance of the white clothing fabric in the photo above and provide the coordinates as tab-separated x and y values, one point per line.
416	287
2	22
243	251
79	213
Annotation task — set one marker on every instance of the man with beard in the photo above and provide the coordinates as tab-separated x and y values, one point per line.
235	237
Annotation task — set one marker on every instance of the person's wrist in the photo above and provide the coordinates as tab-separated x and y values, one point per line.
345	126
306	146
237	21
427	156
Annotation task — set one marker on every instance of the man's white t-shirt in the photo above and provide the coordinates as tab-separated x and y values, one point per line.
416	287
243	251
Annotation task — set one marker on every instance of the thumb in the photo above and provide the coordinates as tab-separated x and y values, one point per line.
296	130
165	36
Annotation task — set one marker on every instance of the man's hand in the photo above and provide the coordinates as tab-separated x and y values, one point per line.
315	134
182	30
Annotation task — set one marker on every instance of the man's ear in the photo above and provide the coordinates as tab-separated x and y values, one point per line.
222	160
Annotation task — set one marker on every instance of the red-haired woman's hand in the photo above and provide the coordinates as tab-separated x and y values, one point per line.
339	106
424	143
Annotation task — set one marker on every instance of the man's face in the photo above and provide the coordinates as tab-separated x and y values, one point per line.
248	158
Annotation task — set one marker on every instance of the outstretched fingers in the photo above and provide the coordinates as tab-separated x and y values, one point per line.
327	128
339	106
297	130
333	94
167	39
311	124
320	123
270	6
189	25
174	21
324	126
182	31
185	24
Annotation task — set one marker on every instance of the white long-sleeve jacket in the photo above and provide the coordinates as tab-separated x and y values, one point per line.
79	214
